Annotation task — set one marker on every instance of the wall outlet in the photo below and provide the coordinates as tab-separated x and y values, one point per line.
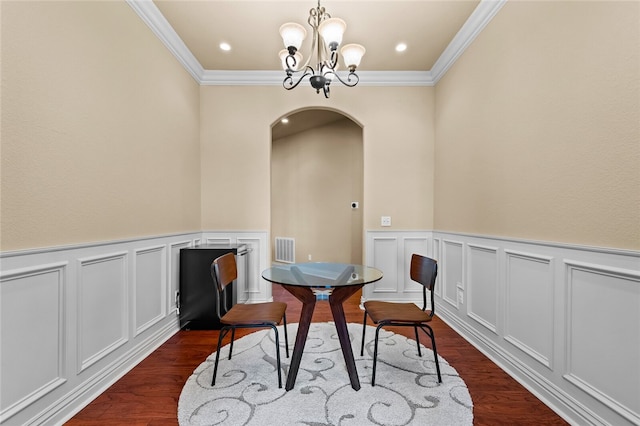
385	221
460	297
309	258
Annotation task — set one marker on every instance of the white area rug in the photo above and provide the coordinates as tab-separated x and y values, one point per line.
246	391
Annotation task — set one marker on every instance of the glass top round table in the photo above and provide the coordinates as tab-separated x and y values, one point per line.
322	274
339	281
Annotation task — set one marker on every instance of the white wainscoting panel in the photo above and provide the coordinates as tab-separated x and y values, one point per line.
565	321
31	307
571	314
102	307
385	251
452	271
603	323
411	245
223	240
529	323
69	317
390	252
385	258
482	285
174	273
255	289
150	284
436	254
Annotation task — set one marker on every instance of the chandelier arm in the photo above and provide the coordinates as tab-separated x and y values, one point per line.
305	65
292	64
332	62
317	15
313	21
326	91
288	82
348	83
314	14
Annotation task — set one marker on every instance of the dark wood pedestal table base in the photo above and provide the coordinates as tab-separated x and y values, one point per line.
309	281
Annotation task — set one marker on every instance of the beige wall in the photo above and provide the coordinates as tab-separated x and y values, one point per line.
99	127
315	175
538	130
398	146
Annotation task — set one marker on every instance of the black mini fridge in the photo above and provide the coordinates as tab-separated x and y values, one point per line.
198	296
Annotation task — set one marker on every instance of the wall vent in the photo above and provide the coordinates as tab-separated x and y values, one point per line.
285	250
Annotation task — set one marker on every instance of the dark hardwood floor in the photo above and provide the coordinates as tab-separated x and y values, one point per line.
148	394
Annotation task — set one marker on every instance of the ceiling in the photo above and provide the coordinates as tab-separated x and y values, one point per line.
251	28
435	32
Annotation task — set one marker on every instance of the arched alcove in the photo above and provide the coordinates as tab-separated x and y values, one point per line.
316	178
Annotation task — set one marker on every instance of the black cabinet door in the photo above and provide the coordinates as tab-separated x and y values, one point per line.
198	296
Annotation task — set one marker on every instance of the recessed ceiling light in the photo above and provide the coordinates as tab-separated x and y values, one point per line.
401	47
284	120
225	46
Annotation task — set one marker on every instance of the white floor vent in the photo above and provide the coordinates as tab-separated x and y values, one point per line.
285	250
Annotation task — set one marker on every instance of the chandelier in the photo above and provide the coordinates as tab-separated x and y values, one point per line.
327	36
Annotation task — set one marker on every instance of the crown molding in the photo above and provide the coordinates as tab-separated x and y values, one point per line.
394	78
150	14
481	16
275	78
241	78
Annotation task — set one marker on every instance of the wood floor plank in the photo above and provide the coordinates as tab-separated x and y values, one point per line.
148	394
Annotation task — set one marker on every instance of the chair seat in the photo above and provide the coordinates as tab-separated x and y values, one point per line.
395	312
252	313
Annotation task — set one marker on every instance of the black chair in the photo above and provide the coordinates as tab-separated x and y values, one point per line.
424	271
244	315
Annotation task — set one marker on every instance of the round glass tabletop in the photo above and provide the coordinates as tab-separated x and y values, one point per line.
321	274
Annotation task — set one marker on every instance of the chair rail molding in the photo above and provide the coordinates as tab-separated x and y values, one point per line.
535	308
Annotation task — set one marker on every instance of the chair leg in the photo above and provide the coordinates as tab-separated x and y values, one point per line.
223	333
286	338
233	337
435	354
364	329
375	356
275	329
417	340
435	350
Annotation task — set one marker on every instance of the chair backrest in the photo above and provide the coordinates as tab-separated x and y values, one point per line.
424	271
223	272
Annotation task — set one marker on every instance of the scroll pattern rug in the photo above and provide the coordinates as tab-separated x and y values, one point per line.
246	391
